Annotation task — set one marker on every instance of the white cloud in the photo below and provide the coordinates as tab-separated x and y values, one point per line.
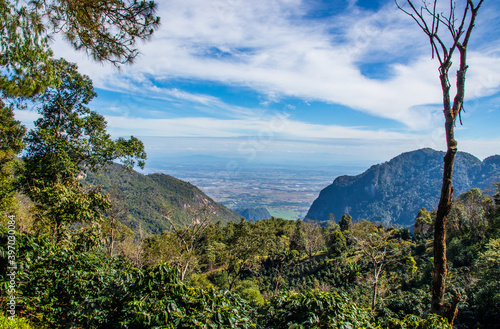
269	127
270	47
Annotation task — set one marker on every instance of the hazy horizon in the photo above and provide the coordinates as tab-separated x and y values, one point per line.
344	81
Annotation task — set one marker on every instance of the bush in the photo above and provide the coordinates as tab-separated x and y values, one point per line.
66	289
415	322
315	309
17	323
249	290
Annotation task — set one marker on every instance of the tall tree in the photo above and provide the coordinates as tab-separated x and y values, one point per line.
106	30
69	140
448	33
246	246
11	136
423	222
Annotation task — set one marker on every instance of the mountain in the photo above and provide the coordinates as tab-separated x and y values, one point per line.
394	191
145	198
254	213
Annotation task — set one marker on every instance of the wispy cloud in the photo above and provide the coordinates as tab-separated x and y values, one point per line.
271	126
274	48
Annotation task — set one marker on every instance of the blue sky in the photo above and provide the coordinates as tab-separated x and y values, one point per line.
287	80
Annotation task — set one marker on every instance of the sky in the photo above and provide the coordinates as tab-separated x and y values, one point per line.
293	81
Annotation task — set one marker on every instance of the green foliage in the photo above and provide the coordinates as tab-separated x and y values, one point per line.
68	141
63	288
70	211
274	286
423	222
415	322
298	240
345	223
162	300
315	309
11	135
258	213
147	197
25	57
336	243
69	138
249	290
16	323
468	216
488	291
411	301
106	31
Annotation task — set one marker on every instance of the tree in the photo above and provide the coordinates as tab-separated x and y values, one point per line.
11	144
336	243
314	240
345	223
246	247
68	141
25	55
116	231
495	222
423	222
107	30
455	37
487	295
189	236
298	239
379	246
469	214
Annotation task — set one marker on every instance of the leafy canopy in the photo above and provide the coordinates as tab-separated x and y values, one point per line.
68	141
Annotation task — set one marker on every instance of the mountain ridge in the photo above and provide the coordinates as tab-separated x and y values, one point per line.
392	192
146	198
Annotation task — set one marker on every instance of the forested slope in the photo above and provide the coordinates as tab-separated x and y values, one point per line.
146	199
394	191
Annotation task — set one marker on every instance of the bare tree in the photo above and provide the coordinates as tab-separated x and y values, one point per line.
379	247
189	232
314	238
447	32
117	213
132	247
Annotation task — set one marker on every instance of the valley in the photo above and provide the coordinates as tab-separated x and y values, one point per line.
286	191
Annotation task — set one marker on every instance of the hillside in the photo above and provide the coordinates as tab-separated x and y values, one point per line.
145	198
394	191
254	213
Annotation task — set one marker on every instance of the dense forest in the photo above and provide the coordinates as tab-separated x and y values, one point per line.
143	201
271	273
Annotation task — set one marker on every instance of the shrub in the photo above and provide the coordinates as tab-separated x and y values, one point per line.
315	309
63	288
17	323
414	322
